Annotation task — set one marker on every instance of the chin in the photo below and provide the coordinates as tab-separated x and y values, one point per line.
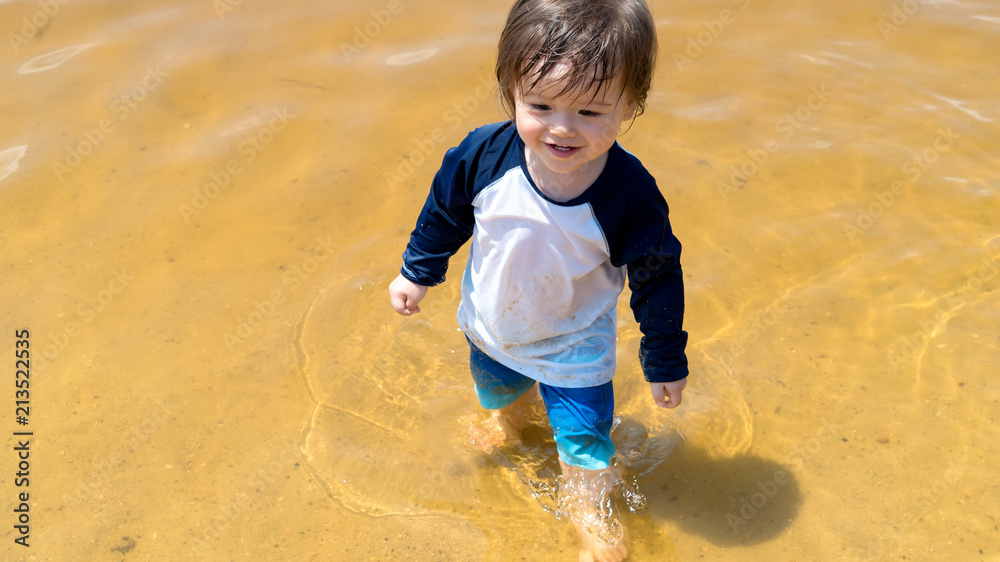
564	169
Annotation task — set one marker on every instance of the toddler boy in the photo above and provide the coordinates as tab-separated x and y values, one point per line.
559	213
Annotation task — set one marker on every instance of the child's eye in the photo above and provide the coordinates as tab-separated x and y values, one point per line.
540	107
589	113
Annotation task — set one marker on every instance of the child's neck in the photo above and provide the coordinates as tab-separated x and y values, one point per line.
563	187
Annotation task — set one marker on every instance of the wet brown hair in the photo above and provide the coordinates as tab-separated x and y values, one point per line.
599	39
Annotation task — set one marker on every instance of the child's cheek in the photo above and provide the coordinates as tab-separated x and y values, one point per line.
608	132
611	125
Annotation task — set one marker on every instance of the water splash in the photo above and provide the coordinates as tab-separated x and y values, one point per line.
591	504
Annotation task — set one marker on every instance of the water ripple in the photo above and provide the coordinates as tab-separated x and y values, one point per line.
960	105
9	159
53	59
411	57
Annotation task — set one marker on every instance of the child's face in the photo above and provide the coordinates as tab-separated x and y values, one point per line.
571	132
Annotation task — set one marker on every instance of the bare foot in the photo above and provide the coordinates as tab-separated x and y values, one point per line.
490	434
593	548
505	425
586	496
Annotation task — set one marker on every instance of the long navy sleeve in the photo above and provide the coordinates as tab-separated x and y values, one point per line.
446	221
635	219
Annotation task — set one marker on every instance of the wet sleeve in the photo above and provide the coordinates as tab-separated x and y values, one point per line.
446	220
640	237
657	302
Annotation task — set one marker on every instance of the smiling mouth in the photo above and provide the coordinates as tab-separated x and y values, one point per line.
562	150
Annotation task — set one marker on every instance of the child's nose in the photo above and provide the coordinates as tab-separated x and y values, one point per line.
563	127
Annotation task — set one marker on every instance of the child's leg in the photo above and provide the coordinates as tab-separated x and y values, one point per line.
586	494
505	391
581	420
513	418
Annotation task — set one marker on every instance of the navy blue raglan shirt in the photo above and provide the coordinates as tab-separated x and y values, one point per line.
543	277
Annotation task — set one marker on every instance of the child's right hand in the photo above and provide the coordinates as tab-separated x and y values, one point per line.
405	295
668	394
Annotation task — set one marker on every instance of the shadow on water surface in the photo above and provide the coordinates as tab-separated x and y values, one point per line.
737	501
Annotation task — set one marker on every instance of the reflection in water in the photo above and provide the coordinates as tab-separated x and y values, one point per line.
51	60
410	58
960	105
717	110
247	123
9	159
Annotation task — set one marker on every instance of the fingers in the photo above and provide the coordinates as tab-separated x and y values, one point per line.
398	302
664	396
403	303
673	401
668	394
660	395
405	295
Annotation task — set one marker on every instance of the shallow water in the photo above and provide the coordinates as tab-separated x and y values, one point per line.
201	206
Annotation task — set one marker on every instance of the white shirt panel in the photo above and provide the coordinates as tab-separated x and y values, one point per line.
539	290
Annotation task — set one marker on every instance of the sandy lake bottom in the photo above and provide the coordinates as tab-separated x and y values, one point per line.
202	204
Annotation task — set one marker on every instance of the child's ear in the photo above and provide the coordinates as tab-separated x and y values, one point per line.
630	109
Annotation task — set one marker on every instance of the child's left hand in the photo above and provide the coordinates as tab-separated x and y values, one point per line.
668	394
